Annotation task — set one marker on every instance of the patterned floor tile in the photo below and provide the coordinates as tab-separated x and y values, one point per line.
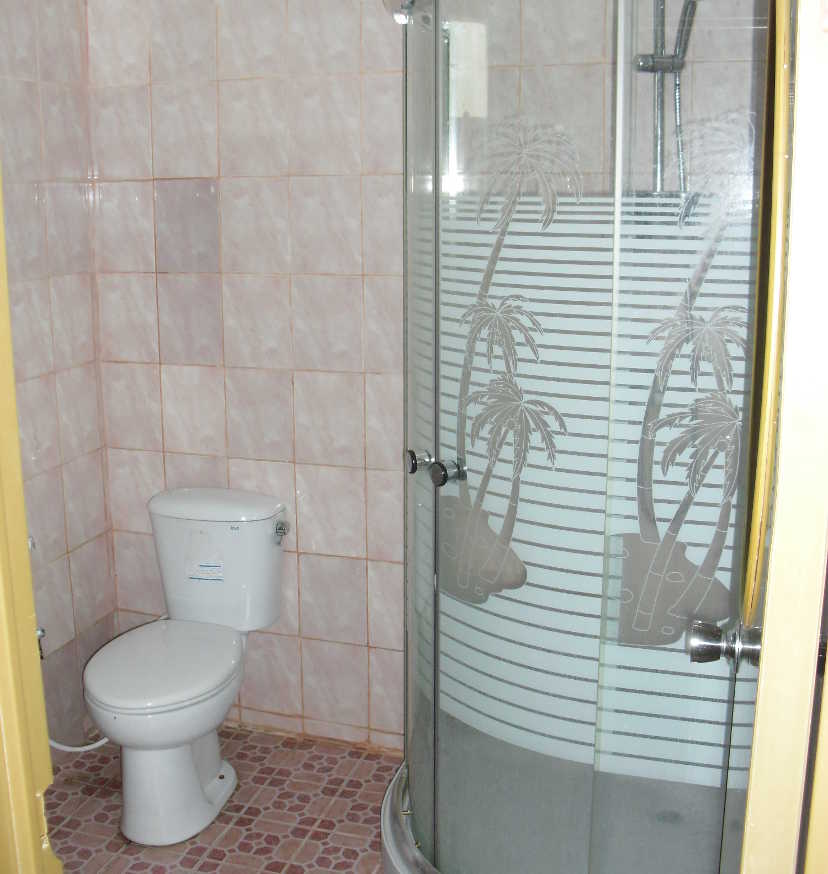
302	805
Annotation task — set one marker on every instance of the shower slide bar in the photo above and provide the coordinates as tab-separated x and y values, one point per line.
658	63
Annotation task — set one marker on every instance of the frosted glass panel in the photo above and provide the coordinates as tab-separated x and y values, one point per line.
588	366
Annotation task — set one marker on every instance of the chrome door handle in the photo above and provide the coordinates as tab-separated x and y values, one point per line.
446	472
707	642
414	461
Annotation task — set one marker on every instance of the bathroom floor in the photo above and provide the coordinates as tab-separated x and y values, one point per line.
301	806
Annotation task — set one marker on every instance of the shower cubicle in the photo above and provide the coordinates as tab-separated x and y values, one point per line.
583	187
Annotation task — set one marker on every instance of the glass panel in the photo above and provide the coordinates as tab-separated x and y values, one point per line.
420	422
673	738
525	265
580	343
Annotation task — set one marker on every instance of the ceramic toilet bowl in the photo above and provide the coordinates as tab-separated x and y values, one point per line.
160	691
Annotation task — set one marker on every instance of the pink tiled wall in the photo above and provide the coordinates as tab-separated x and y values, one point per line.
44	149
247	243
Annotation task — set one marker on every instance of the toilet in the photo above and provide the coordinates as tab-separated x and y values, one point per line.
161	690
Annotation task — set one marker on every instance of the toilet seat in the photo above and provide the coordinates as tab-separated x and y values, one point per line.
163	666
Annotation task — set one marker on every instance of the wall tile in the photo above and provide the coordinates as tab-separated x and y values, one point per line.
134	477
78	415
273	721
138	578
83	496
255	117
546	42
128	320
193	405
330	502
187	226
189	471
132	405
183	39
383	420
127	619
254	226
382	124
386	604
350	734
324	35
329	415
53	603
327	322
38	425
502	20
723	87
335	682
184	129
324	130
252	37
387	683
65	710
321	114
288	621
387	741
333	598
548	94
20	142
382	211
385	515
724	38
259	414
382	38
91	639
257	322
119	120
44	517
65	131
383	323
92	588
61	36
124	232
118	41
272	674
269	478
25	214
18	46
31	326
72	335
67	215
325	225
189	309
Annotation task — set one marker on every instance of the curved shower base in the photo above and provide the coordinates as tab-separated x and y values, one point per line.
399	849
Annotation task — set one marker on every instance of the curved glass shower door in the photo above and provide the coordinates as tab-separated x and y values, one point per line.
582	202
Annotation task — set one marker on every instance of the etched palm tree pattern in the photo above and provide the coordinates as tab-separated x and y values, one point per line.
525	159
662	588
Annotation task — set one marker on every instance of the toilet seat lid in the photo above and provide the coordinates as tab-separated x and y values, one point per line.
163	664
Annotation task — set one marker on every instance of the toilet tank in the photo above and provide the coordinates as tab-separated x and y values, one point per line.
219	556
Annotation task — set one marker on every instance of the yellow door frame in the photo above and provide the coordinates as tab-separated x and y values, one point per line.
799	536
798	548
25	765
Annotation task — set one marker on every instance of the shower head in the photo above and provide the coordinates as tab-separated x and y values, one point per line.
659	62
688	13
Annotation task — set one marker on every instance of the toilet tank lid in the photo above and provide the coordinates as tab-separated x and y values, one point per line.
214	505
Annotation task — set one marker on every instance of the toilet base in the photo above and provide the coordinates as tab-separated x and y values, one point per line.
171	795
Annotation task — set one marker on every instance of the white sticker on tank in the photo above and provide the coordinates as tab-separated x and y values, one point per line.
207	572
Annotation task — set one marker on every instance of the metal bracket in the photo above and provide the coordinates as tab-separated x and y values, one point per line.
280	530
659	63
40	633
